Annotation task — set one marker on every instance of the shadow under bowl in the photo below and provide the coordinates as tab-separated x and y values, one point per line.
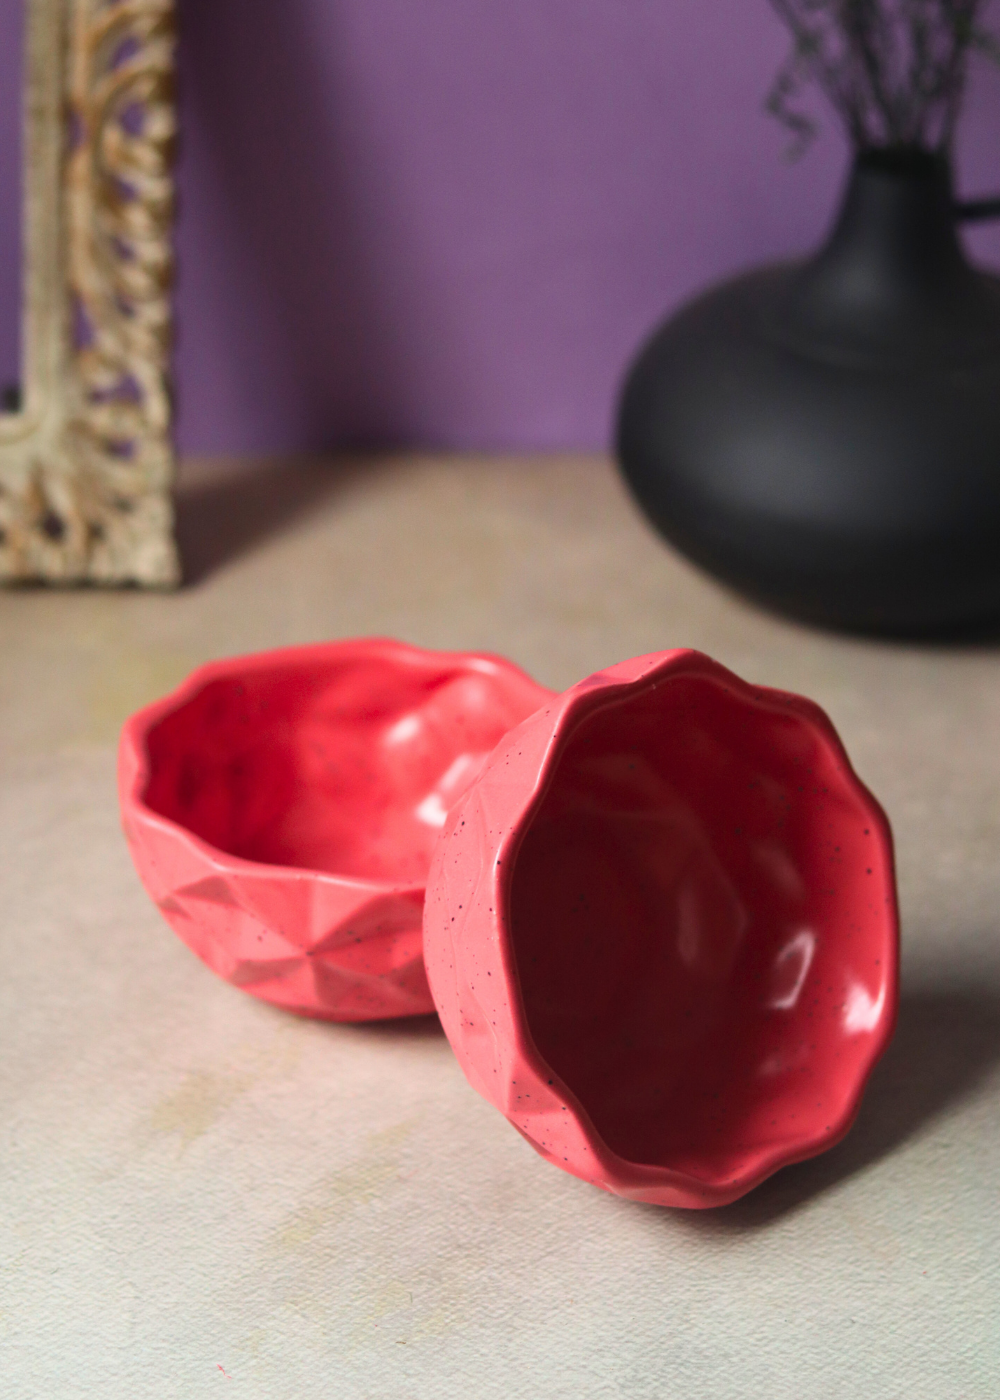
281	811
661	931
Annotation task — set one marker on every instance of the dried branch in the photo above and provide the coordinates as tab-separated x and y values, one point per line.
894	71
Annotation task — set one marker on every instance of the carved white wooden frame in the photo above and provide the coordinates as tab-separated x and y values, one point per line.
86	464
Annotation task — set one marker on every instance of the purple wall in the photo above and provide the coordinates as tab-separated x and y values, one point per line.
451	221
11	49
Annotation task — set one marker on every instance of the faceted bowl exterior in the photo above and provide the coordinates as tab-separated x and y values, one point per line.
661	931
281	810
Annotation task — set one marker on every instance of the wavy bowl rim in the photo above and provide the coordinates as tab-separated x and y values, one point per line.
570	708
134	764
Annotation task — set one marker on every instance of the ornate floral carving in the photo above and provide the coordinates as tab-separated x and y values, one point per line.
86	468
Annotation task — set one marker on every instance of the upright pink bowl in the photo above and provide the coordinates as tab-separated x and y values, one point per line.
661	931
281	810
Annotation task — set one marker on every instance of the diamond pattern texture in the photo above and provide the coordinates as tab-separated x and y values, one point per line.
271	754
686	1087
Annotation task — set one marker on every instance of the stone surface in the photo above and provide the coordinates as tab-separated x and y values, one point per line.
196	1186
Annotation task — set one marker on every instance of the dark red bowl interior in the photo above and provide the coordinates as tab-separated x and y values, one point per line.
346	764
701	922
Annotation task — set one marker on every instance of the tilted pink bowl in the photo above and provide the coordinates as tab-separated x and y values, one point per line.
661	931
281	810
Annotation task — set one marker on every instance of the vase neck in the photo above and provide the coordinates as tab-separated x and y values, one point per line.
892	278
895	234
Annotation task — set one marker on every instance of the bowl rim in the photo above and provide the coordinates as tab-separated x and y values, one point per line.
134	762
566	712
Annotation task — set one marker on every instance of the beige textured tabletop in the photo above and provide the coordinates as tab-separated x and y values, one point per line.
203	1196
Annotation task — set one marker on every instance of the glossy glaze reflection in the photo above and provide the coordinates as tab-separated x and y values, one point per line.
689	912
282	810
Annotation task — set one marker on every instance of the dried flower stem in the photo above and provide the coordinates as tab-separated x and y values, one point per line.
894	71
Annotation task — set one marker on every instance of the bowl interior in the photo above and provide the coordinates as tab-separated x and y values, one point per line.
701	922
341	764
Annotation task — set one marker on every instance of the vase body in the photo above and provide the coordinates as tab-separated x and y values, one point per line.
825	436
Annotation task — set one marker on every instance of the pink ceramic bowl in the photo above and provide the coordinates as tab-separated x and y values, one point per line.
281	810
661	931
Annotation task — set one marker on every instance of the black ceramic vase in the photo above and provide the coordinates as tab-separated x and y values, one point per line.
825	436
